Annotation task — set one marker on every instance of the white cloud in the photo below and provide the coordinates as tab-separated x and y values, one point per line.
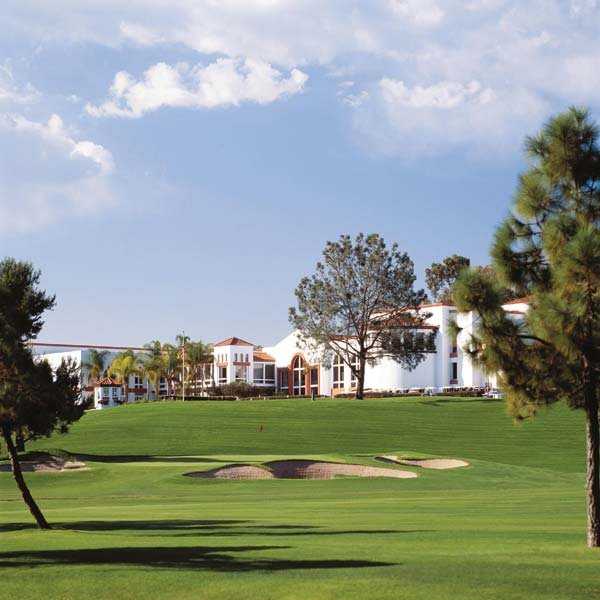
48	175
447	117
11	91
529	58
423	13
356	100
225	82
583	7
443	95
54	132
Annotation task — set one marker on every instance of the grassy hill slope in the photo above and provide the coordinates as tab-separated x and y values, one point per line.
469	428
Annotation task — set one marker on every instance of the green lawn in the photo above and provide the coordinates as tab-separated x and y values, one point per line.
510	526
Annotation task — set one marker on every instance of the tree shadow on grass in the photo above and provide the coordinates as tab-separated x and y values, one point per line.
474	400
222	528
160	525
128	458
208	527
310	532
208	558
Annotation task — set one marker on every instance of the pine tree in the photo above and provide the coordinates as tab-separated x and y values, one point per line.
34	400
440	277
548	250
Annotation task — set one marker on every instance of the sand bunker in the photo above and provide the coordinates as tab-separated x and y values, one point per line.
50	464
427	463
310	469
235	472
300	469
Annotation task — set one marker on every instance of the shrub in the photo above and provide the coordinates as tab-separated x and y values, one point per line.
240	389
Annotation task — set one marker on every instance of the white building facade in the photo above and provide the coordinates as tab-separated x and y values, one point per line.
288	367
137	386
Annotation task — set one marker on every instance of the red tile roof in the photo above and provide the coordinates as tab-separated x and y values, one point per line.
106	382
233	341
263	357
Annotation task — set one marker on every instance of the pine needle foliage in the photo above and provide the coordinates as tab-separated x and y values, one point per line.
548	250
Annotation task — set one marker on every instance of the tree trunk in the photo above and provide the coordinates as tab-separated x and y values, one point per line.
593	472
18	475
360	380
20	441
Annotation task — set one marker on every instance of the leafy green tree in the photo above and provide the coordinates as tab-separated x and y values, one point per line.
549	250
34	400
123	366
361	305
440	277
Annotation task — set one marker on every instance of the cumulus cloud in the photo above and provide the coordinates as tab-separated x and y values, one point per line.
413	59
55	133
48	175
225	82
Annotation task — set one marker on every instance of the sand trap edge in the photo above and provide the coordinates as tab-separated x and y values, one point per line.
300	469
49	466
438	464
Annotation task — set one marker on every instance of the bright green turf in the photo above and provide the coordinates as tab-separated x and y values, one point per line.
510	526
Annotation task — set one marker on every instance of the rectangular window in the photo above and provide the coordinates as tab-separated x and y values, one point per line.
259	374
222	374
270	374
353	377
283	379
455	371
338	372
314	380
240	373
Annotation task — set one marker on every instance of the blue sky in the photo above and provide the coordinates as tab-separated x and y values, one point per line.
180	164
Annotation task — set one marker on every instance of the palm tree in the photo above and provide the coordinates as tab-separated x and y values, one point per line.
197	355
123	366
153	364
95	364
153	367
172	362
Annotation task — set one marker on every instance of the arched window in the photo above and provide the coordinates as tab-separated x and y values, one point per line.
299	376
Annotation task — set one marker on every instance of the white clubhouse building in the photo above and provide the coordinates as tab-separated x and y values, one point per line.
289	368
